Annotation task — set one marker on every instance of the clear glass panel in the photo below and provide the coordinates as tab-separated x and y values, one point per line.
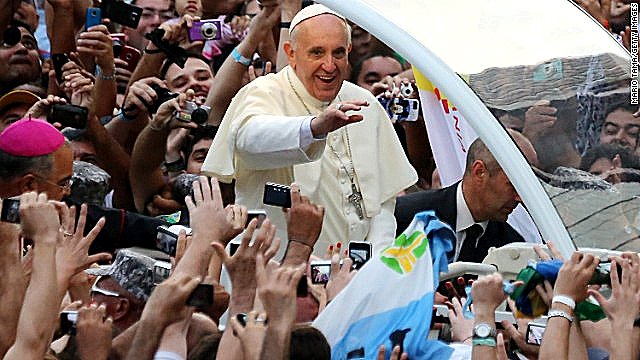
546	69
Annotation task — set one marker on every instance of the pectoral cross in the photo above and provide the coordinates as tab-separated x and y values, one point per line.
355	198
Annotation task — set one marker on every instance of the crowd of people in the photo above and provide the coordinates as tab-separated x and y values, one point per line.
157	126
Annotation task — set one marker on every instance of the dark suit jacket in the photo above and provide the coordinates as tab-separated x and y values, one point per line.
443	201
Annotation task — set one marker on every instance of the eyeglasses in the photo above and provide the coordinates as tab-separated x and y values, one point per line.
96	290
66	186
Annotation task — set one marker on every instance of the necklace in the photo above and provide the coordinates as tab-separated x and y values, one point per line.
356	196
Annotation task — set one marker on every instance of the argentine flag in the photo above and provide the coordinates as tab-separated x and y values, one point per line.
391	297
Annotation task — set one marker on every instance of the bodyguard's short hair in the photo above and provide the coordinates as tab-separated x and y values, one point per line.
12	167
479	151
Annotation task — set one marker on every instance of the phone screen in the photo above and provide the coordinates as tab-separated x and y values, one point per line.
320	272
535	333
360	253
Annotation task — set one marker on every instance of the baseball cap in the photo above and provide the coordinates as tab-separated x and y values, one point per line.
18	97
131	270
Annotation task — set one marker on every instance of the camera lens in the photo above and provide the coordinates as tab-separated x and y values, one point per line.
199	116
209	31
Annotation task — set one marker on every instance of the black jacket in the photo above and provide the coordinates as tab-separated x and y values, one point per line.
443	201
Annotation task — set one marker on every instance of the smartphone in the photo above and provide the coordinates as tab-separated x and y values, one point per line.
68	321
256	214
161	271
535	333
277	195
58	62
360	253
201	296
93	18
122	13
167	238
131	55
10	210
320	271
69	115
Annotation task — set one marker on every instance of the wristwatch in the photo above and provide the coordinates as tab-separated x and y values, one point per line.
483	331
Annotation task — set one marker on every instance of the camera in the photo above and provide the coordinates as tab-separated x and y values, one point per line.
205	30
602	274
359	252
121	13
163	95
68	321
10	211
400	109
192	112
69	115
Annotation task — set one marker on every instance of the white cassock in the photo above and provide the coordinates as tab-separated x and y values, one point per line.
262	138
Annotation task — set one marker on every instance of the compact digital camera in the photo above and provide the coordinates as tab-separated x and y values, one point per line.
206	30
192	112
400	109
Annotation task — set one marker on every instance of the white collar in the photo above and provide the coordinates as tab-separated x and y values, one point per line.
464	219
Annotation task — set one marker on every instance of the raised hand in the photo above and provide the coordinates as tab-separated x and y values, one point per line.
167	303
340	276
574	276
39	218
335	117
252	334
93	335
97	43
73	248
242	265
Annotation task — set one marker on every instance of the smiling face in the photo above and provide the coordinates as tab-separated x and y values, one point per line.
318	54
196	75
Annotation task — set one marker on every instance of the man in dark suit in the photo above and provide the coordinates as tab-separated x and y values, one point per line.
476	208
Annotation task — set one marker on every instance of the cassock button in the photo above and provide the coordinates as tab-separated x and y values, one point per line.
342	181
347	212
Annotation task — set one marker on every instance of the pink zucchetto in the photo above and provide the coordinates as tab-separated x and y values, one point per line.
30	137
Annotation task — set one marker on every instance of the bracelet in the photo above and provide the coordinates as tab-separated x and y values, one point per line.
563	299
559	313
239	58
488	341
100	75
285	24
175	166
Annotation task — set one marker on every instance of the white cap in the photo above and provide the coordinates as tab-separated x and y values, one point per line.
311	11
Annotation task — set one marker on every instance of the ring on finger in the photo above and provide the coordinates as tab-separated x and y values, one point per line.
66	233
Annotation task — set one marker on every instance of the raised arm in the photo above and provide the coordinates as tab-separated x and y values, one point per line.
40	222
229	78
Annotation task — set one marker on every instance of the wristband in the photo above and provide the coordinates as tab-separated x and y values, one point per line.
566	300
559	313
239	58
285	24
102	76
488	341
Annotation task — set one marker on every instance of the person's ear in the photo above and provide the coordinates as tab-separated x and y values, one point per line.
27	183
288	49
479	171
121	309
